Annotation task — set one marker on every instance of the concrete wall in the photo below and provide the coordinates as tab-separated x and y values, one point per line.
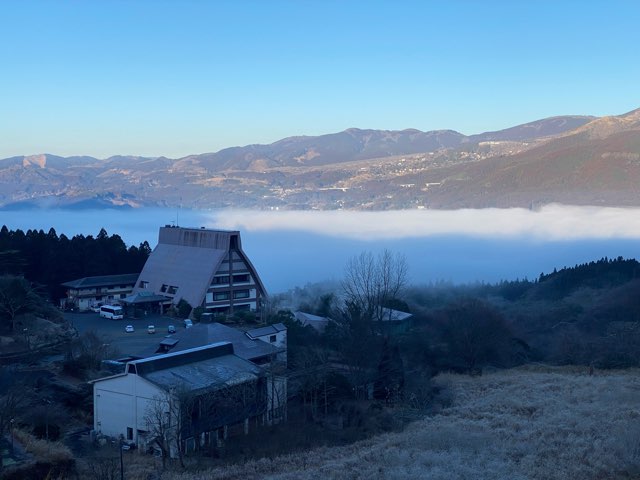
121	402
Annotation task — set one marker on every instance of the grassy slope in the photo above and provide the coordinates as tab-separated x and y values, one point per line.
518	424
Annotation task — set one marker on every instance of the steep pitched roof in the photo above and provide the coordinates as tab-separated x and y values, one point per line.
102	281
188	258
188	268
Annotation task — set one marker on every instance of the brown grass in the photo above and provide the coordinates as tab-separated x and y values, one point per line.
42	450
527	423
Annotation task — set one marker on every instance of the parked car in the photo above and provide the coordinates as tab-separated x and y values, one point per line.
151	329
129	329
187	323
171	329
96	308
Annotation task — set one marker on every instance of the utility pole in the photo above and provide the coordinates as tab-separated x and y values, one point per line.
121	462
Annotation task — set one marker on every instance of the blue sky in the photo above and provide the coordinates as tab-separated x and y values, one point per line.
179	77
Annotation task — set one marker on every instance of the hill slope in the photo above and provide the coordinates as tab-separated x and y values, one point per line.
569	159
598	164
520	424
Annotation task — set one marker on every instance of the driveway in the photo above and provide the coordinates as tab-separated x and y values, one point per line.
112	331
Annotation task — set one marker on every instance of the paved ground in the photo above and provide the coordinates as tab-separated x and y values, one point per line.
113	330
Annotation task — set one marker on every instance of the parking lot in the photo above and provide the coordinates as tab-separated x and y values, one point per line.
113	331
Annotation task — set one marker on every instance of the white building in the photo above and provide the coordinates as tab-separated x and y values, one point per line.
86	292
223	391
275	334
206	268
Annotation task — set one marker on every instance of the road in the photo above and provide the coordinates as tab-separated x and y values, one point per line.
112	331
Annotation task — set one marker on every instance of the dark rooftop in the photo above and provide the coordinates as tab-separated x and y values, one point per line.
103	281
202	334
268	330
203	368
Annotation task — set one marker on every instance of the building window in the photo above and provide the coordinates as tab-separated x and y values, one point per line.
241	294
172	290
99	299
129	433
221	296
223	280
143	284
272	339
241	278
163	288
123	295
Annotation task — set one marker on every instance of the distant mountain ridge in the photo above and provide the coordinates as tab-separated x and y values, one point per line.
559	159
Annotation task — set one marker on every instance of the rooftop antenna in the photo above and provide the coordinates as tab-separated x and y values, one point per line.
178	213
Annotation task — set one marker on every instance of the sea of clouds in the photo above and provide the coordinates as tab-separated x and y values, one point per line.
550	223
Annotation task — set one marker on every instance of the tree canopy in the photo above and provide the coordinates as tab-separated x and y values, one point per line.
48	259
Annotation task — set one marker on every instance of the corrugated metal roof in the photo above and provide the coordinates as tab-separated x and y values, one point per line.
209	374
174	359
103	281
212	366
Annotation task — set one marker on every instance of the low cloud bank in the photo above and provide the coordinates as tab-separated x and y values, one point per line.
552	222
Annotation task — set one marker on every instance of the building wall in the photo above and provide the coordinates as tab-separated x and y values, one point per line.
122	402
85	298
190	263
233	287
279	341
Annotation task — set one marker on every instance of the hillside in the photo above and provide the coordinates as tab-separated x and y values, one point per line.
526	423
568	159
597	164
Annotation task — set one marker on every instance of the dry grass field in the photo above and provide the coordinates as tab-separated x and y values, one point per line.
525	423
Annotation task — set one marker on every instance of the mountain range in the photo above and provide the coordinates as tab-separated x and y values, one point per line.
567	159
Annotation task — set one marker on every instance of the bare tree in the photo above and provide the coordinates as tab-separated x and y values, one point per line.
158	420
17	296
12	399
86	353
371	283
168	420
182	413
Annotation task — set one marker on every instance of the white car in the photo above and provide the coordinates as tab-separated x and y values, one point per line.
151	329
96	308
129	329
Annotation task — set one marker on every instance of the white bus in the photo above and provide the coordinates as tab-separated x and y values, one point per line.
113	312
